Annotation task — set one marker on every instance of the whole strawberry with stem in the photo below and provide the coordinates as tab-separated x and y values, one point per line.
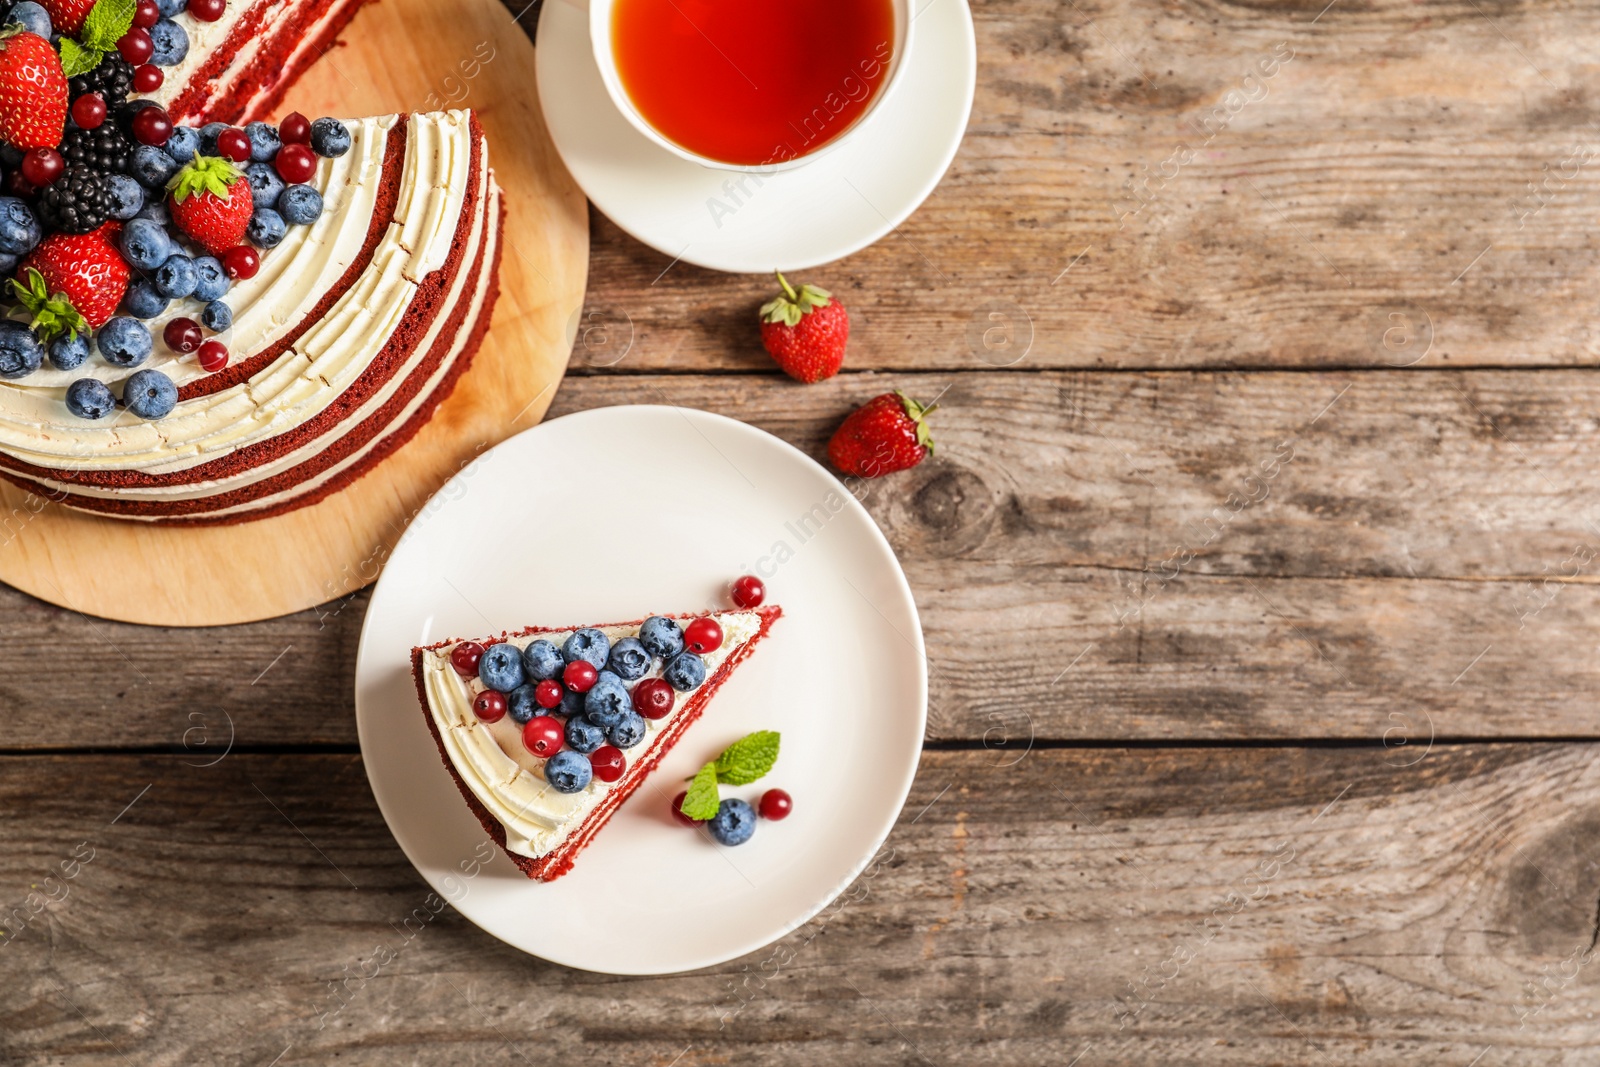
33	90
67	16
886	434
805	332
73	281
210	200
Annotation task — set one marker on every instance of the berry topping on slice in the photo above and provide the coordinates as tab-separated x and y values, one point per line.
543	736
580	676
294	129
241	262
42	166
748	592
653	698
151	126
71	280
296	163
702	636
33	90
213	356
207	10
183	335
776	804
67	16
489	705
146	13
568	772
547	694
234	144
608	762
148	78
209	199
805	332
886	434
136	46
89	110
465	656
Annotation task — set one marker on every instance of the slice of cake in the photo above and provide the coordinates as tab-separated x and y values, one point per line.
547	731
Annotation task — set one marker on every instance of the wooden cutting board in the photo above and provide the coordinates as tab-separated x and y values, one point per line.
398	55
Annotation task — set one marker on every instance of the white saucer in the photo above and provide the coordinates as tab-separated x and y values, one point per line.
616	513
836	205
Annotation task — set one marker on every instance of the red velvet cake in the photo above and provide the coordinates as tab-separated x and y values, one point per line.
547	732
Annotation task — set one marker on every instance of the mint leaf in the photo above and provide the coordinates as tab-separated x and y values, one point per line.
748	758
77	60
702	801
106	22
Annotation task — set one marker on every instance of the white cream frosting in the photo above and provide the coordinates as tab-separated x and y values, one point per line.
36	427
508	779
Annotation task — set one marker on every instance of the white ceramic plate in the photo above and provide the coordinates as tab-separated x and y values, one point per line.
833	206
613	514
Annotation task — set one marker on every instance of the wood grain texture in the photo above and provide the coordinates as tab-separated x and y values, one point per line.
402	55
1131	907
1430	161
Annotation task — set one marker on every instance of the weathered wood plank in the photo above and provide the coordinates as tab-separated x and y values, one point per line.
1230	186
1401	565
1201	906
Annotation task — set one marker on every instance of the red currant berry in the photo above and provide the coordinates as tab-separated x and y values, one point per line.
748	592
580	676
702	636
543	736
147	79
136	46
213	356
294	129
547	694
207	10
296	163
146	14
490	705
465	656
152	126
234	144
183	335
608	763
241	262
89	111
776	804
653	698
41	166
677	810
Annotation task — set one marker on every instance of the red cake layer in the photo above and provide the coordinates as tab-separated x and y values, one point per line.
270	72
553	865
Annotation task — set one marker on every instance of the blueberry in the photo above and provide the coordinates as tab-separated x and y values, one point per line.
571	703
208	137
567	771
300	205
733	823
19	230
583	735
661	636
145	244
501	667
8	262
629	660
608	701
171	43
123	195
265	228
169	8
149	394
151	166
216	316
265	184
33	18
177	277
20	351
90	398
68	353
542	660
521	705
125	342
214	281
685	671
155	209
264	141
589	645
329	137
143	300
629	732
184	143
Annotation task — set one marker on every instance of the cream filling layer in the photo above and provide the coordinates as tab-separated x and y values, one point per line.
508	779
304	380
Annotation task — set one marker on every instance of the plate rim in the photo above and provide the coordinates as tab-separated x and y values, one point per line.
908	772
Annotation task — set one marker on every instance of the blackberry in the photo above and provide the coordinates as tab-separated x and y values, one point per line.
112	79
77	202
104	148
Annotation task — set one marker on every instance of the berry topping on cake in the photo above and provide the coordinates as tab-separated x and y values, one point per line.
210	201
702	636
73	279
20	351
663	637
149	394
568	771
213	356
748	592
90	398
583	735
685	671
89	110
653	698
579	677
40	167
608	763
547	694
543	735
500	667
79	202
489	705
465	656
67	16
295	129
776	805
33	90
241	262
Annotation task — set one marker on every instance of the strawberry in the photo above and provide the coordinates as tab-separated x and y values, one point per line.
33	90
211	202
888	433
805	332
67	16
73	281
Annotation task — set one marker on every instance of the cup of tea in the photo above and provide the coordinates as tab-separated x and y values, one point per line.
749	85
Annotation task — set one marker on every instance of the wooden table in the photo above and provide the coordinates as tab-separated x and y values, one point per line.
1258	566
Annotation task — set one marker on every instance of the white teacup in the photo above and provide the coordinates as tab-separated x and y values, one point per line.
605	57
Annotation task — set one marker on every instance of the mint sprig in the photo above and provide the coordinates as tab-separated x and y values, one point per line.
741	763
103	27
